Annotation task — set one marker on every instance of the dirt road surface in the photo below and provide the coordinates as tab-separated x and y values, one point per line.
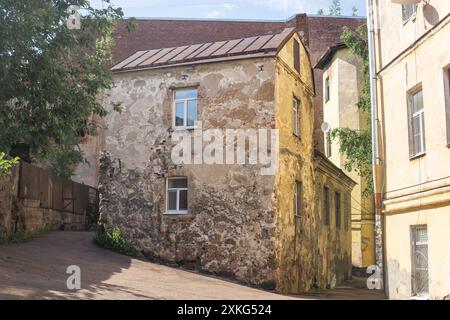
37	269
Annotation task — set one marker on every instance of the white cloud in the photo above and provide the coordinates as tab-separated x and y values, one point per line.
283	5
228	6
215	14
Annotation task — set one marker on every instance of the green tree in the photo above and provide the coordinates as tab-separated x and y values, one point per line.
357	145
51	76
335	8
354	11
320	12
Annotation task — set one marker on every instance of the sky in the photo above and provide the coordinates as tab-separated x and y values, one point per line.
228	9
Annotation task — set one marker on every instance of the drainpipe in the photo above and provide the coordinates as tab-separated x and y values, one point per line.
379	225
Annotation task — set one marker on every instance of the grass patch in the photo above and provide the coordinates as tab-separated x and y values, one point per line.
22	236
113	239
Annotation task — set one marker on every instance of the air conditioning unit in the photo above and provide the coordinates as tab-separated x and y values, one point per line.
406	1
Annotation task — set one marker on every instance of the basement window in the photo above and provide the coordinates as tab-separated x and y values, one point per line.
185	108
177	196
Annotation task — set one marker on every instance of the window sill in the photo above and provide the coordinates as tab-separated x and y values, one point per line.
176	213
184	128
418	156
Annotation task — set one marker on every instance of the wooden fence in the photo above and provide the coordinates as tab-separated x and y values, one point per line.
55	192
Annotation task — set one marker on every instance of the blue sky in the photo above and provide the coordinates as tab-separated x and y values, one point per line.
228	9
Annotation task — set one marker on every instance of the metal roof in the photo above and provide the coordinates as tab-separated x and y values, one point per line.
265	45
326	58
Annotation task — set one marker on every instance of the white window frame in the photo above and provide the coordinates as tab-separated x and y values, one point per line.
296	116
447	102
177	211
421	115
185	101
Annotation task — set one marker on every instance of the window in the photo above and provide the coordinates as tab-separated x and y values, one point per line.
347	210
297	56
185	108
296	117
327	89
416	124
177	196
408	10
328	144
337	209
326	205
419	255
298	199
447	102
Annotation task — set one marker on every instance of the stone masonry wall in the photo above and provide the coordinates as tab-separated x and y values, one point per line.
230	226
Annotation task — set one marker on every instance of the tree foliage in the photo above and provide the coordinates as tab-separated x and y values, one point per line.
335	8
357	145
51	76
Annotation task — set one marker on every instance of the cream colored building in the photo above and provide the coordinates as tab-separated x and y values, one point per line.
412	45
342	78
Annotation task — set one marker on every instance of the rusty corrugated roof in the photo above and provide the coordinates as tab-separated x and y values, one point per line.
265	45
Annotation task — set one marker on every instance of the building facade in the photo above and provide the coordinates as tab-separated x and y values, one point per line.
342	79
318	33
222	217
413	101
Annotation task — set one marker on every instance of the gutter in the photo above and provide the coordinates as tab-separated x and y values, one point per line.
376	165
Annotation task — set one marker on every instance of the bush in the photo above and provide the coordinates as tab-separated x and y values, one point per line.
22	236
7	164
113	239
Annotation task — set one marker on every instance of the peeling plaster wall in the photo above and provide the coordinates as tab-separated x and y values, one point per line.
296	164
309	254
230	228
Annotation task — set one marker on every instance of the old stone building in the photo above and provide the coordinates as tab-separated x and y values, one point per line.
318	33
342	81
412	56
286	229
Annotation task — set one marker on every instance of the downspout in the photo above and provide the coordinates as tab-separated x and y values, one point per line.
376	166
